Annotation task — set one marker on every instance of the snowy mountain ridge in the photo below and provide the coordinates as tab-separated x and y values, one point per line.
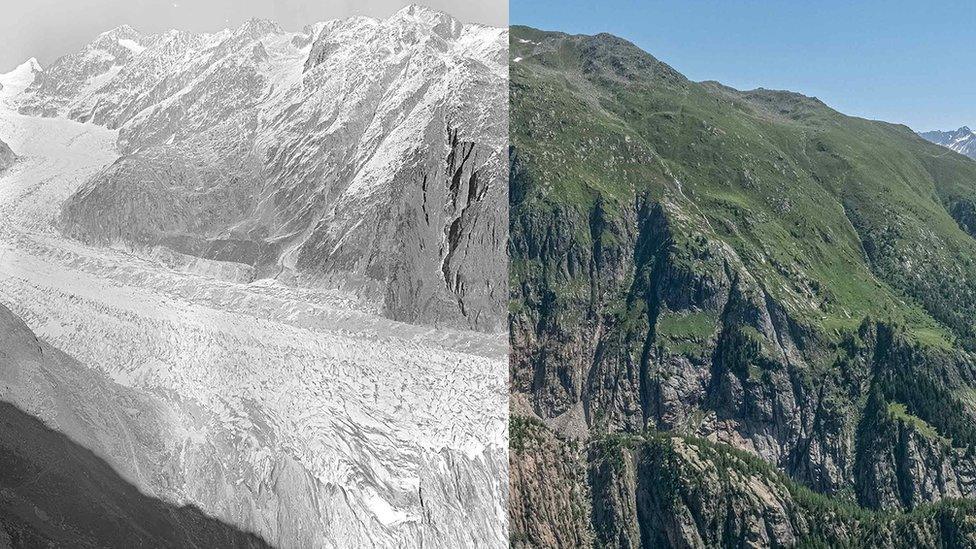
963	140
339	126
17	80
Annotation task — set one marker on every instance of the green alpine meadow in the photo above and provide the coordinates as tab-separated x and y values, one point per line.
737	318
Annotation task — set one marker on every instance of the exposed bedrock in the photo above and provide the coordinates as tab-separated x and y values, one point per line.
708	283
7	156
360	154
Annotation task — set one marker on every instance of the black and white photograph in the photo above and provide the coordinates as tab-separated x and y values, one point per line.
253	280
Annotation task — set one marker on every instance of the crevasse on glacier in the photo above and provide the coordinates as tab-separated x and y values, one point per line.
292	246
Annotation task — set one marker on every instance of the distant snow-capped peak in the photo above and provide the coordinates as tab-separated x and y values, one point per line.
962	141
27	69
20	78
31	65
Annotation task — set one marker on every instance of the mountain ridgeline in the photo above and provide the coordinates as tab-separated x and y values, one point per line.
738	318
361	154
963	140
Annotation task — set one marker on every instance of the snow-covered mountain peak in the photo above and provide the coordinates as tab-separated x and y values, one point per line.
424	20
17	80
31	65
124	36
119	32
25	70
962	141
256	28
420	12
422	15
343	26
314	131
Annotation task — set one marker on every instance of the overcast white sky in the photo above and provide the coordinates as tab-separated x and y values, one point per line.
47	29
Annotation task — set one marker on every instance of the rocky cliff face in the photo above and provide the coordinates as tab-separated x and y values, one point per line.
7	156
693	260
360	153
672	492
548	477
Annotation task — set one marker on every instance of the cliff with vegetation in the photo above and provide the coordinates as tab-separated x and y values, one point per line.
737	318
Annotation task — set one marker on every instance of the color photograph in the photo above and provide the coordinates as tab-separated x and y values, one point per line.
743	274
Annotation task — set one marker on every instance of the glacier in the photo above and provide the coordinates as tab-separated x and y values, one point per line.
302	397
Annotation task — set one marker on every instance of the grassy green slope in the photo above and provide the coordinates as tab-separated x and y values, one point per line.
839	217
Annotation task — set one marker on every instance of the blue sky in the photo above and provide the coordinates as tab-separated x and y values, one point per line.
907	62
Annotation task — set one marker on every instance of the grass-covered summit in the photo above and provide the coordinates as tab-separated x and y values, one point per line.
839	216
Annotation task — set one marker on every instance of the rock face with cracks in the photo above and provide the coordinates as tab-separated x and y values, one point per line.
358	154
7	156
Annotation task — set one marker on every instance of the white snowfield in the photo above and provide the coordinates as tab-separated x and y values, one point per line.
291	412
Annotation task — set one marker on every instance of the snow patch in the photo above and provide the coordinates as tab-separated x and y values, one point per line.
17	80
132	45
